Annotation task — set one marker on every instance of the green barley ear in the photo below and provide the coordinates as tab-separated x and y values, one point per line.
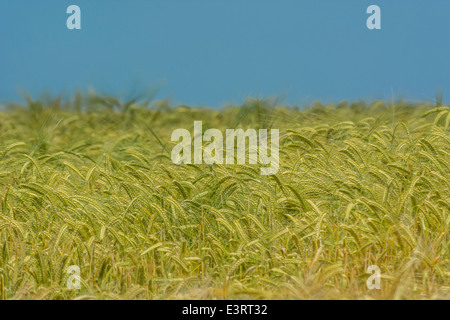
2	288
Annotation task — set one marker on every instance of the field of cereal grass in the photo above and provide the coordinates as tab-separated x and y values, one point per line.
90	182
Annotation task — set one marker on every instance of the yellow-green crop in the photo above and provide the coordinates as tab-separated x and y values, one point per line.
91	183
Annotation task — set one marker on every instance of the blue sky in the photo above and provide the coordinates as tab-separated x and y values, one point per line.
212	52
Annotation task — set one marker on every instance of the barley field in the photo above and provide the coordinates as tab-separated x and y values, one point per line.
90	182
